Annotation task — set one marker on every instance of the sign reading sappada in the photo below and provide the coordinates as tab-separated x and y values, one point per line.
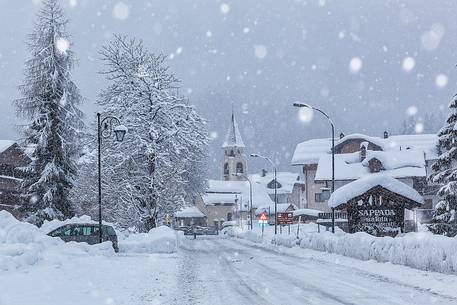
376	216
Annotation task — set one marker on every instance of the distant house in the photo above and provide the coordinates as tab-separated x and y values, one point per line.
189	216
289	187
407	158
12	158
230	200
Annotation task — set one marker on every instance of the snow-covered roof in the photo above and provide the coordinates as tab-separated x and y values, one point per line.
225	192
219	198
310	151
280	208
189	212
375	140
5	144
309	212
398	164
397	159
361	186
233	137
287	180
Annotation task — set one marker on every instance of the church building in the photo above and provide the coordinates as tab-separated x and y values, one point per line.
229	199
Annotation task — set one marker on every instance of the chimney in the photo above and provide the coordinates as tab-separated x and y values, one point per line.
341	135
363	151
386	134
264	172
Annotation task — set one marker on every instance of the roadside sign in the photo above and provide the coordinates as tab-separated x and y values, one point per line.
285	218
264	217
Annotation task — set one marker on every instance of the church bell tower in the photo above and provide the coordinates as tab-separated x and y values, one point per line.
234	165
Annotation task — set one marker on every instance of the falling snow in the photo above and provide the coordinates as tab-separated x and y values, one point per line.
260	51
408	64
62	45
355	65
121	11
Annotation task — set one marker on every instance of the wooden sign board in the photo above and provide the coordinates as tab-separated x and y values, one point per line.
285	218
376	215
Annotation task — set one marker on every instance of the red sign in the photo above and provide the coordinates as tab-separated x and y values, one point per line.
263	216
285	218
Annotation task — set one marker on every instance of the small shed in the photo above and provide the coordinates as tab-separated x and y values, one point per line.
190	216
376	204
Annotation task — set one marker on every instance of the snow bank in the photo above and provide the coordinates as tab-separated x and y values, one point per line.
288	241
269	237
422	250
158	240
23	244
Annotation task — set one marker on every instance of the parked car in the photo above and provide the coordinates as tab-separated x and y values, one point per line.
86	232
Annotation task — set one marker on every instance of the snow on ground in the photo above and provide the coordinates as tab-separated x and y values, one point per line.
23	245
157	240
207	271
422	250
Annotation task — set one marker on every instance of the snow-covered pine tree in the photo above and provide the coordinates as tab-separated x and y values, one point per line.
49	105
445	173
408	125
155	170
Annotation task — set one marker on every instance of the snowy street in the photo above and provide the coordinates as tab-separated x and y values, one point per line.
225	271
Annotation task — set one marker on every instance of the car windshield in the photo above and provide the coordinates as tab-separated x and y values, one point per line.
224	152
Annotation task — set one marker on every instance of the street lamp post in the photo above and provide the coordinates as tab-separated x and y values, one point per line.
276	187
250	196
303	105
105	129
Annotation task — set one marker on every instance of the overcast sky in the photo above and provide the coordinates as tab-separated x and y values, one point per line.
368	63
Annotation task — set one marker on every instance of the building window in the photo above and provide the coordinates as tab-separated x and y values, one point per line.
321	197
226	169
229	216
239	168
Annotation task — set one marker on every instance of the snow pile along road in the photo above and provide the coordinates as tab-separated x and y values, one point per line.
422	250
23	244
157	240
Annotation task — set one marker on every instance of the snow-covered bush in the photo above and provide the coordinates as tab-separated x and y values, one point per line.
422	250
157	240
288	241
23	244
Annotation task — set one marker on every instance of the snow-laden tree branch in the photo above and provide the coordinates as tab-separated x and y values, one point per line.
160	165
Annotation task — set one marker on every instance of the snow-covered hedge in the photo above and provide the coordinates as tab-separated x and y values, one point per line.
157	240
422	250
288	241
23	244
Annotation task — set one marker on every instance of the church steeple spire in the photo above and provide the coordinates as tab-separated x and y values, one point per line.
234	165
233	137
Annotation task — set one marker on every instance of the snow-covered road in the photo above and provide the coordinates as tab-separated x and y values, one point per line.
216	271
225	271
